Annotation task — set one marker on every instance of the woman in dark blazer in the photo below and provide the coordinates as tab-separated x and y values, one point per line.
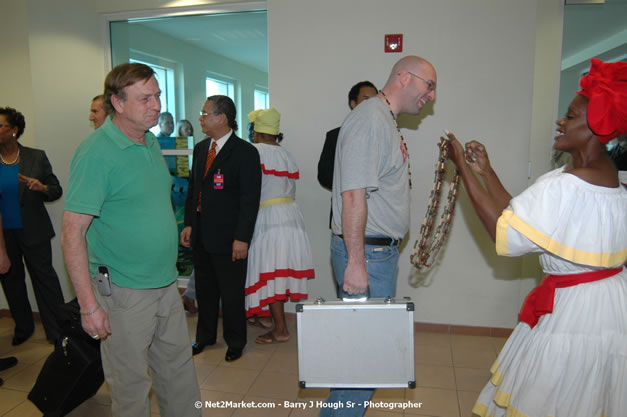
26	182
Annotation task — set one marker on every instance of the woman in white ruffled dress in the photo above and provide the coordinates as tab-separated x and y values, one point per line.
279	258
568	355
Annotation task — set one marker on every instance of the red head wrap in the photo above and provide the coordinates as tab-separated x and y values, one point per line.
605	86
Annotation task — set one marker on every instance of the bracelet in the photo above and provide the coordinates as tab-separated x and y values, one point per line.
91	312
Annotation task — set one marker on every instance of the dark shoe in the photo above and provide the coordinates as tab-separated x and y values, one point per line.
189	305
233	354
18	340
6	363
1	382
199	347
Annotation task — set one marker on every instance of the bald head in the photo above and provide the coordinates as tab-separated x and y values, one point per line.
409	63
411	85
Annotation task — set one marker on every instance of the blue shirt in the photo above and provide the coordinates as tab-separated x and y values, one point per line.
9	197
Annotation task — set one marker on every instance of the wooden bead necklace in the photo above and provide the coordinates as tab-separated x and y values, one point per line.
426	249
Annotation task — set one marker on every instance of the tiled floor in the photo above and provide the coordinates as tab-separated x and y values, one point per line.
450	371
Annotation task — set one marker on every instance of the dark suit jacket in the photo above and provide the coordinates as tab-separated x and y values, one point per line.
227	214
36	223
327	159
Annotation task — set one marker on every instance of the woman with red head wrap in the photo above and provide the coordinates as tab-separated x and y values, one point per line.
568	355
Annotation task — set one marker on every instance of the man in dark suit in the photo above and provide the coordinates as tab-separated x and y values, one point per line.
220	213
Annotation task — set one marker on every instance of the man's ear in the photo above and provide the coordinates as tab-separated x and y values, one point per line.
117	103
403	78
352	104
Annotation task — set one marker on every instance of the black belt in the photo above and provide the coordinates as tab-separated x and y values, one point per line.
378	241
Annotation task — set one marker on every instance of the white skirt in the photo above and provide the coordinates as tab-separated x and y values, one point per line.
573	363
279	259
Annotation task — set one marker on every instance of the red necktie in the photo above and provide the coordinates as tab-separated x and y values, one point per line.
210	157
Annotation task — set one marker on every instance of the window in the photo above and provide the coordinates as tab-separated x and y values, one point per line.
165	78
262	99
214	87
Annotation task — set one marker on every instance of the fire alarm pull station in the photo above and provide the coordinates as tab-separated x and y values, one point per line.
394	43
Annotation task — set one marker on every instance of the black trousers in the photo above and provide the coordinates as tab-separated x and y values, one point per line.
218	278
48	293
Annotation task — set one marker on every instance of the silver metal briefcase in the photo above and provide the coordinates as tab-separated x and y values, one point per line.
356	344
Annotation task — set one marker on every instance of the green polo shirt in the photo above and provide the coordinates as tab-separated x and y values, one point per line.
126	187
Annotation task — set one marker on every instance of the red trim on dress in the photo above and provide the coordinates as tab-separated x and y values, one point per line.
257	311
264	277
292	175
540	300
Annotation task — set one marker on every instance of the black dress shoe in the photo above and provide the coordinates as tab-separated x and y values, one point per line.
6	363
233	354
199	347
18	340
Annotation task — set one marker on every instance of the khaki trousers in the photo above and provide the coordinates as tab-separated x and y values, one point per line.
148	346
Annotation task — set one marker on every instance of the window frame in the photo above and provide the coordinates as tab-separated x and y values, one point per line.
266	94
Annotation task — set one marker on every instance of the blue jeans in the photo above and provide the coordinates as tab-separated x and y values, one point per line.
382	268
381	265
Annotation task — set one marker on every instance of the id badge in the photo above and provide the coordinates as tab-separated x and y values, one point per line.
218	181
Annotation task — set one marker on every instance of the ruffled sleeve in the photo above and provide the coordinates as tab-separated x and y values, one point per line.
568	217
277	161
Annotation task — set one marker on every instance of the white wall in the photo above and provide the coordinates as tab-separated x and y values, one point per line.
487	60
485	55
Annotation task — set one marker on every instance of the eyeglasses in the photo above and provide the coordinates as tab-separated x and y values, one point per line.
430	84
203	114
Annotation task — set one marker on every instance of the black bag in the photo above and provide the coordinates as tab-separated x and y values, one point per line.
73	372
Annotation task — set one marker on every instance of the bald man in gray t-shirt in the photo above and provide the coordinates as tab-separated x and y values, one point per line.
370	198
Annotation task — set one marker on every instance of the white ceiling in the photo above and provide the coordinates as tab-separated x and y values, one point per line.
241	36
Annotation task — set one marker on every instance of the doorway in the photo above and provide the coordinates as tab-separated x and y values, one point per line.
196	53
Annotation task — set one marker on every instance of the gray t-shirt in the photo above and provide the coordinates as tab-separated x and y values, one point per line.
368	155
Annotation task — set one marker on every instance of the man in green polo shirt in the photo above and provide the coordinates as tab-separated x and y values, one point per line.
119	221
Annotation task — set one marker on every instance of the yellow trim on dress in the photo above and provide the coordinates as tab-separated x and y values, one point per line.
497	377
501	232
480	409
578	256
501	399
277	200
